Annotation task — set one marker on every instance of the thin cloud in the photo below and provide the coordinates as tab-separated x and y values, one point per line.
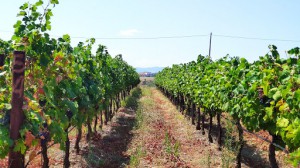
129	32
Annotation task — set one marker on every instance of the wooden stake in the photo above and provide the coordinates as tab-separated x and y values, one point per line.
16	159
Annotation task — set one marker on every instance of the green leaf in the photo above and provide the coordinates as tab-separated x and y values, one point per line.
73	106
282	122
269	112
48	15
272	92
294	51
24	6
54	2
17	24
22	13
67	38
44	60
48	27
277	95
20	146
39	3
295	157
284	107
266	87
48	92
297	95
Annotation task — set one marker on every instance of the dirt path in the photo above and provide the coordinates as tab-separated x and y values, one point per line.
108	148
167	139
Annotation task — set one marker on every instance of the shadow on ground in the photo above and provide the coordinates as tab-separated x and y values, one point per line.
251	156
109	150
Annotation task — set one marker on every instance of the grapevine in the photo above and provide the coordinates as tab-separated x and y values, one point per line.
64	86
263	95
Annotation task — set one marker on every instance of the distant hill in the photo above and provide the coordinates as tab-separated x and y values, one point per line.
149	69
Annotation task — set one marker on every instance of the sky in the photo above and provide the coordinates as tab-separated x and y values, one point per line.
137	28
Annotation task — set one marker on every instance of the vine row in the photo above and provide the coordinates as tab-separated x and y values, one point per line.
47	86
263	95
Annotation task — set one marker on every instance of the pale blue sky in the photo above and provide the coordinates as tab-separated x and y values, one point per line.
268	19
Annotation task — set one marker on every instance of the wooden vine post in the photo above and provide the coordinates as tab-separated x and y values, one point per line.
272	149
67	142
16	159
202	123
219	130
240	142
2	58
193	113
198	119
210	127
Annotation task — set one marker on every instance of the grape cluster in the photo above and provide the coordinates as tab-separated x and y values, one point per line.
2	60
44	134
69	114
265	101
42	103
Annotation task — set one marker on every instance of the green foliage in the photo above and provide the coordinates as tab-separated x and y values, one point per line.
230	145
5	47
136	156
294	158
263	94
131	102
5	141
64	85
136	92
139	118
171	148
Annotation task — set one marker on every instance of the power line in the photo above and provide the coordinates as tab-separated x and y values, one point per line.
144	38
255	38
175	37
129	38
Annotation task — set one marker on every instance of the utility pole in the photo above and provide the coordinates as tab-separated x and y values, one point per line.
210	45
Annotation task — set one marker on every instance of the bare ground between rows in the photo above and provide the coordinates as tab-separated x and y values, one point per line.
195	150
106	148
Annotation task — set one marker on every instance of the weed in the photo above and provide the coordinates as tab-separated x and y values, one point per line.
92	158
176	148
135	158
136	92
230	146
167	143
123	103
171	148
146	91
139	118
131	102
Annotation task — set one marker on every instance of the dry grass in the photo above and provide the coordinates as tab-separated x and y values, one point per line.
166	137
162	119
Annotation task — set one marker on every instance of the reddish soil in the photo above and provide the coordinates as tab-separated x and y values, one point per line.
106	149
195	149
